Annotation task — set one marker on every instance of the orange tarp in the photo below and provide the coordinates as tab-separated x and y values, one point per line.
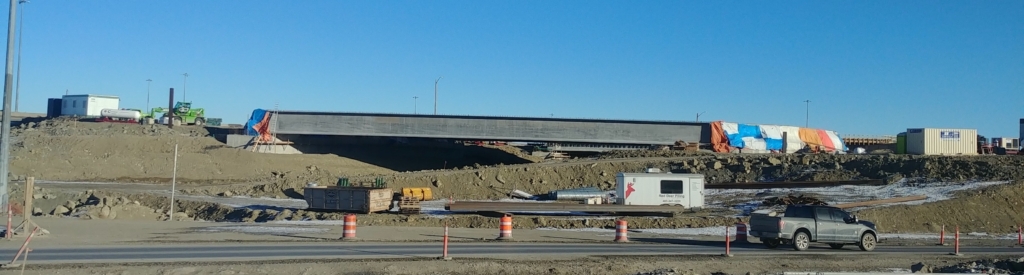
263	127
719	141
826	141
811	137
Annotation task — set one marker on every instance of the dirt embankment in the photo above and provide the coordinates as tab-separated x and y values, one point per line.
565	265
996	209
498	181
70	150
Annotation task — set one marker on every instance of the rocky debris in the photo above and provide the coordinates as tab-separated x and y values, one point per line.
660	272
66	126
618	154
920	268
792	200
1013	266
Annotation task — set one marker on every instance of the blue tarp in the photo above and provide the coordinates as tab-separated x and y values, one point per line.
742	131
773	144
753	131
257	116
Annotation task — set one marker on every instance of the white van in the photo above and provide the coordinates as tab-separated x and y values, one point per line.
650	188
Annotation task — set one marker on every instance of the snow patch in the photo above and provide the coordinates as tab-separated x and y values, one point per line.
935	191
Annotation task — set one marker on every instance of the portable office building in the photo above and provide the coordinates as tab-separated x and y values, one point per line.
87	105
685	190
939	141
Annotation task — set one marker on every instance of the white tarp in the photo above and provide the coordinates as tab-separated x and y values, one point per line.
771	131
835	140
793	142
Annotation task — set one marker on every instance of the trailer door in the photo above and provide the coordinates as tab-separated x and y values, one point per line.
696	192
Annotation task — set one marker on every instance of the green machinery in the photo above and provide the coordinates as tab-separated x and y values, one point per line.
183	113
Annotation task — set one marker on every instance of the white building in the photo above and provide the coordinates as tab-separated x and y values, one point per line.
87	105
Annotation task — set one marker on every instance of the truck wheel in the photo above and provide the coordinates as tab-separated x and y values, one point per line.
200	121
801	241
771	243
836	245
867	241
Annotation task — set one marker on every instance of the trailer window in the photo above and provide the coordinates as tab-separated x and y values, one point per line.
671	187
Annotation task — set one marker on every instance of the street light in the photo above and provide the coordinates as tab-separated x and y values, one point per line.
435	94
21	27
807	116
698	116
415	99
149	84
183	86
5	127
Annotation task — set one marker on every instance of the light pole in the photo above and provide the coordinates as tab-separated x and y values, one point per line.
807	115
435	94
698	116
183	86
21	33
415	99
149	83
5	129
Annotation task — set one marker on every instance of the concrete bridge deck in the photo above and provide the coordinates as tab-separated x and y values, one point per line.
550	130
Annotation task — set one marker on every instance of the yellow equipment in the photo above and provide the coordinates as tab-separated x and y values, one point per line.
417	193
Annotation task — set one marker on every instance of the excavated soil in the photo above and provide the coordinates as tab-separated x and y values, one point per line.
69	150
66	150
997	209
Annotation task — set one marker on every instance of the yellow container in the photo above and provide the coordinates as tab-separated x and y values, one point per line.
420	193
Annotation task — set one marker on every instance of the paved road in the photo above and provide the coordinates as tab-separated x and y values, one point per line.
227	252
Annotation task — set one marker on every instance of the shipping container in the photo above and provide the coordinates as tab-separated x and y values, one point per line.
349	199
650	188
53	106
939	141
901	143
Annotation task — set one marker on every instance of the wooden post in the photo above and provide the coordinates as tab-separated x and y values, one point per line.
30	190
785	143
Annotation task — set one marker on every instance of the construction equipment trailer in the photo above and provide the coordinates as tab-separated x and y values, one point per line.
183	113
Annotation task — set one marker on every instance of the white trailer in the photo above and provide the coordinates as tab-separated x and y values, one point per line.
650	188
87	105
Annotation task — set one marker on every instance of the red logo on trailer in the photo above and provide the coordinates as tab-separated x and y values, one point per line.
629	189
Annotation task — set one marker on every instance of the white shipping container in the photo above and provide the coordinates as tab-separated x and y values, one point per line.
685	190
938	141
87	105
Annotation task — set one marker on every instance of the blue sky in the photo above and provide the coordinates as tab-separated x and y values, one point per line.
868	67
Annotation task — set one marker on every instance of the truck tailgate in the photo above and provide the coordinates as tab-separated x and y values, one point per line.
764	223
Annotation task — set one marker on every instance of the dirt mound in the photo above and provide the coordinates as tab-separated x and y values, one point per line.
993	210
69	150
618	154
988	266
497	181
791	200
65	126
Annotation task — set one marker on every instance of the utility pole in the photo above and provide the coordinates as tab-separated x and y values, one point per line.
21	33
5	135
435	94
183	86
149	84
807	116
415	99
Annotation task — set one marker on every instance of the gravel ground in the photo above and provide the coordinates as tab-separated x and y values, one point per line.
660	265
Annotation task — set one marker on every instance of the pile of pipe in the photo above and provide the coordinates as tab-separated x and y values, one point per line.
578	194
